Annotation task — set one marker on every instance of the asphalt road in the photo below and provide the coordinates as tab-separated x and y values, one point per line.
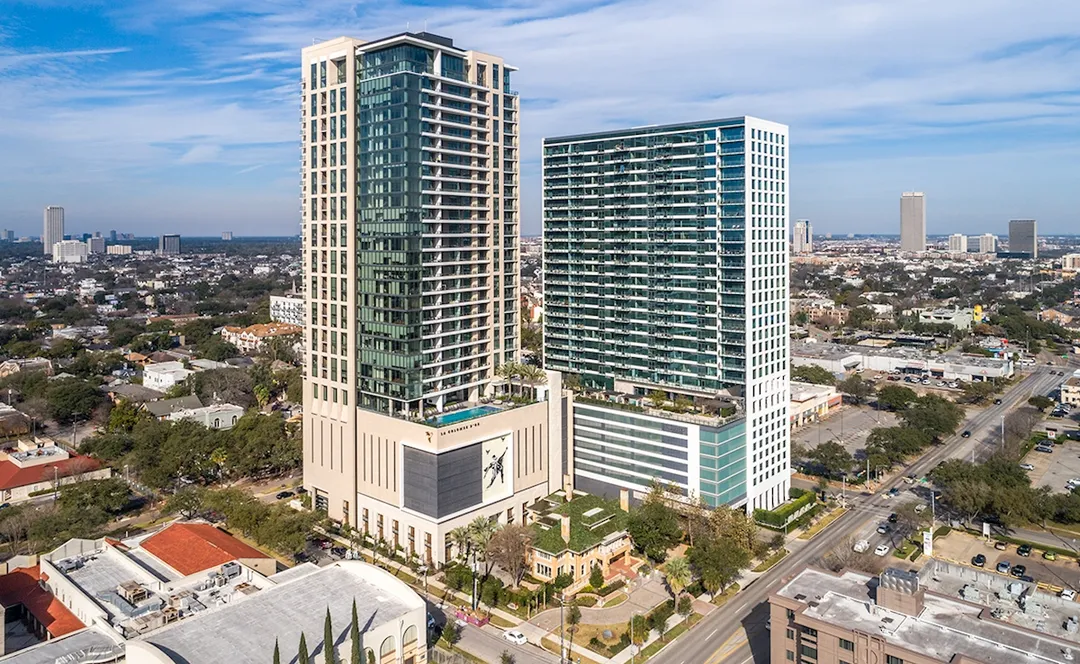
721	625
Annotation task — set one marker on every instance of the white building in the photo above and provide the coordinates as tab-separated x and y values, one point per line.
1070	263
96	244
163	375
53	230
287	309
217	416
802	241
69	251
987	243
118	249
958	243
961	319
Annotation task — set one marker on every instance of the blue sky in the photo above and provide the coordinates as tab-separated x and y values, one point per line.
184	115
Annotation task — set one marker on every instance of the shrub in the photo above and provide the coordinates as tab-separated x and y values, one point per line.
611	587
586	601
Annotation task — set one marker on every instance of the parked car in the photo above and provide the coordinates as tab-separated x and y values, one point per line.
1067	594
861	546
883	529
1001	546
1049	555
1003	567
1044	449
1027	466
1023	550
920	508
1018	571
881	550
966	434
282	495
893	518
515	637
979	560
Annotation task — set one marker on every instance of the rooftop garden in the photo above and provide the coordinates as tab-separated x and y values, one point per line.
592	518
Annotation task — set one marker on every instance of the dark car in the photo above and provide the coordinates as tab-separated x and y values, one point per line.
338	551
285	494
979	560
1018	571
893	518
966	434
997	402
894	491
301	490
1023	550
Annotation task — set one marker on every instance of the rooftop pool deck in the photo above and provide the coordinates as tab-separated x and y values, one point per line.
461	415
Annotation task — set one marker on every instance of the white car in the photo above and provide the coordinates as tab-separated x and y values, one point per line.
515	637
1067	594
861	546
1027	466
881	550
920	508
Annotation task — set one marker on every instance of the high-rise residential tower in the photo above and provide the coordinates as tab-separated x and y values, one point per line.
958	243
53	230
666	293
169	245
1023	238
411	227
912	221
987	243
802	238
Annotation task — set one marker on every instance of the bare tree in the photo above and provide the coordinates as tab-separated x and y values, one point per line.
509	548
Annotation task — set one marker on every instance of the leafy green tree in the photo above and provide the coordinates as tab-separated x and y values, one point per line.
596	577
124	416
654	527
507	658
638	629
1041	402
979	392
896	397
717	562
658	618
71	399
685	606
811	373
187	502
677	573
451	634
832	458
855	388
573	622
933	414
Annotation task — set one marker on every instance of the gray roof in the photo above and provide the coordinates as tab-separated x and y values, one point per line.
136	393
166	406
247	629
71	648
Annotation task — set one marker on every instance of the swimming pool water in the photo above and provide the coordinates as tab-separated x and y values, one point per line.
462	415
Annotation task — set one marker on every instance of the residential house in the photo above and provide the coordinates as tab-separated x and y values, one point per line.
250	339
10	367
216	416
163	375
162	409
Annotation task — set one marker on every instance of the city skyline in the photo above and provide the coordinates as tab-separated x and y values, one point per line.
197	105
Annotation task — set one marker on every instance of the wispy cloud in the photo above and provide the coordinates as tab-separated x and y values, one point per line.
10	60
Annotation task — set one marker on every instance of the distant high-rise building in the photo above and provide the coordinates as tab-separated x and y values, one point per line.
684	293
7	236
802	241
118	249
226	235
69	251
1023	238
53	231
96	245
169	245
112	236
958	243
987	243
913	221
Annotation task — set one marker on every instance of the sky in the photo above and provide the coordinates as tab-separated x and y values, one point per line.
183	116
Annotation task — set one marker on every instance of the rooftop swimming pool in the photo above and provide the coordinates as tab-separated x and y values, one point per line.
462	415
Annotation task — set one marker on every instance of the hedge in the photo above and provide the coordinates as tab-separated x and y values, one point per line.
611	587
779	517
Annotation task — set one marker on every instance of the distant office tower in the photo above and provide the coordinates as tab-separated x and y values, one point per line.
913	221
69	251
987	243
226	235
112	236
802	237
54	228
169	245
96	245
958	243
7	236
118	249
1023	238
677	284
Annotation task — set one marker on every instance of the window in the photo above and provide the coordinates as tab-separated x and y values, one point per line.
847	645
791	633
809	631
810	651
893	659
790	656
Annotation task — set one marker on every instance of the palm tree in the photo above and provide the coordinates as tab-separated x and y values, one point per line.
481	530
677	571
460	538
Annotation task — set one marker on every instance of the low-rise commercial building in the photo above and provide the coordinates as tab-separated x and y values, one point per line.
839	358
1070	391
42	465
216	416
961	319
812	403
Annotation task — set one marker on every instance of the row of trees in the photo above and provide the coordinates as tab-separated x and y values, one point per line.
166	455
82	509
64	400
276	525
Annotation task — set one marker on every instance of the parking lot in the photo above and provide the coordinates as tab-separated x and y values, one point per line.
962	547
849	426
1056	468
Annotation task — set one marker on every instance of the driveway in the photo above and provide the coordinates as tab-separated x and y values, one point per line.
646	594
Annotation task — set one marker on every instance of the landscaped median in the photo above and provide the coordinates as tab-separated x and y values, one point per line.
822	523
771	561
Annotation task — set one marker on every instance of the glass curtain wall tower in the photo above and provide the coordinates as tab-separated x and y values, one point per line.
666	268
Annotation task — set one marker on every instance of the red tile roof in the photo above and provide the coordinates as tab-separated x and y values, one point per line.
12	477
189	548
20	586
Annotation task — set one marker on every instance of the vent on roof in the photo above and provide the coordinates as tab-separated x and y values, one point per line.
800	597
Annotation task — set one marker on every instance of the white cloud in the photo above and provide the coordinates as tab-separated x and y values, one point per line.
200	154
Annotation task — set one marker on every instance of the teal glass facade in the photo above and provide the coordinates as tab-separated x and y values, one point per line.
722	461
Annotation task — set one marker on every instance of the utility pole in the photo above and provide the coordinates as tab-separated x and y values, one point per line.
562	646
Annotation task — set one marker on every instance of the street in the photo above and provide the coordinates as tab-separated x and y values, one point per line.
866	511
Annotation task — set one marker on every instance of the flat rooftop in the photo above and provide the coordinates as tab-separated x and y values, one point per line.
88	645
946	626
247	629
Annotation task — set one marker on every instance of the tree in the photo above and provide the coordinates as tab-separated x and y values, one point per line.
717	562
677	573
354	637
811	373
658	398
1041	402
933	414
855	388
832	458
685	606
734	525
277	652
459	538
507	658
696	513
659	617
596	577
187	502
638	628
302	655
573	620
895	397
481	531
509	547
978	392
328	638
124	416
910	519
71	399
654	527
451	634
